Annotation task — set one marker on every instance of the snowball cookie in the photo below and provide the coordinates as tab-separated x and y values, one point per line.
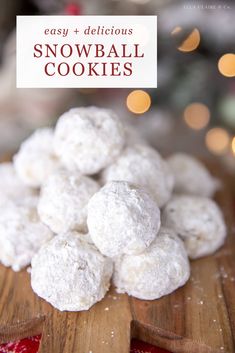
191	176
36	160
63	201
122	219
143	166
10	184
70	273
21	232
88	138
198	221
159	270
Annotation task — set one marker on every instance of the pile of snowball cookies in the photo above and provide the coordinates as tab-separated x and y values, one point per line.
87	202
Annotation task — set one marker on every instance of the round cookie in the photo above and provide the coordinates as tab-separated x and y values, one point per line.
159	270
36	160
143	166
21	232
10	184
63	201
198	221
122	219
191	176
88	138
70	273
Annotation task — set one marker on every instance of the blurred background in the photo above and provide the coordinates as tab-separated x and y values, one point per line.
193	108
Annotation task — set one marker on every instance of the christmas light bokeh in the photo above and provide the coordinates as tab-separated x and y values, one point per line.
217	140
226	65
138	101
197	116
191	42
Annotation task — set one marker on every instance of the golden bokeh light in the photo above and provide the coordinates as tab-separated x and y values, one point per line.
217	140
191	42
196	116
138	101
233	145
226	65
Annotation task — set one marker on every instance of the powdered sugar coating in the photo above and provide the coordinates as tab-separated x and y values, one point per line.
122	219
36	160
63	201
198	221
88	138
191	176
10	184
21	232
70	273
143	166
159	270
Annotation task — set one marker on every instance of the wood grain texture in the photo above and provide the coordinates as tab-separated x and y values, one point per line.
200	317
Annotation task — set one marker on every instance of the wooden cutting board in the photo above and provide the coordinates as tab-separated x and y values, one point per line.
200	317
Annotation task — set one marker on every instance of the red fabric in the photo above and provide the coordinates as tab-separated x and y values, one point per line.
142	347
31	345
27	345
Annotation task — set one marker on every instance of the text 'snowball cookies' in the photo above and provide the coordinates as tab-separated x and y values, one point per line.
191	176
21	232
36	160
143	166
88	138
70	273
10	184
159	270
198	221
122	219
63	201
